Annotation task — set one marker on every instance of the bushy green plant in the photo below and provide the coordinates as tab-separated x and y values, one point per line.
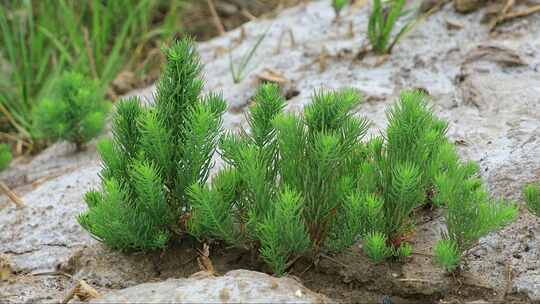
532	198
5	156
447	254
75	111
398	174
415	164
469	211
376	247
156	154
381	24
289	184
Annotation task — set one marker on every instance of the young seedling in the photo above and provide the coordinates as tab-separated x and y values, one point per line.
532	198
5	156
382	22
239	72
75	112
338	5
156	154
289	184
447	254
376	247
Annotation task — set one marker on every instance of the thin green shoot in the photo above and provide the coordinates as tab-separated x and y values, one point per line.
239	72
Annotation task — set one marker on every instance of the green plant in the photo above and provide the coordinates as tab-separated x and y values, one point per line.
238	73
469	211
75	111
403	251
40	39
100	30
532	197
398	174
28	62
5	156
447	254
338	5
381	24
375	246
288	187
156	154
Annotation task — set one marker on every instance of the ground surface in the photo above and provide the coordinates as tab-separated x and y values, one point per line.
486	84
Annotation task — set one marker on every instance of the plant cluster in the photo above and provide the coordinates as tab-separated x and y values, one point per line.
292	184
288	184
382	22
5	156
241	68
156	154
75	111
414	164
532	198
275	191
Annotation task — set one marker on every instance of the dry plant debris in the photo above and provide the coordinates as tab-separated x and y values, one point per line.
205	264
13	197
507	13
271	75
82	291
6	270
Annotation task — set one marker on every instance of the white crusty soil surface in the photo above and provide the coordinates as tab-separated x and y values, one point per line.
487	85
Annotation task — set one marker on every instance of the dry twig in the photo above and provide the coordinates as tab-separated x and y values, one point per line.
12	195
215	17
530	10
506	13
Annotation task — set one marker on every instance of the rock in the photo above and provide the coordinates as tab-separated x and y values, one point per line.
238	286
530	284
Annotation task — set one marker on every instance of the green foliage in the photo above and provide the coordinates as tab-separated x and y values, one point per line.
5	156
288	186
470	212
27	57
414	164
338	5
403	251
398	174
41	39
75	111
381	24
280	233
375	246
532	197
156	154
447	254
238	71
143	226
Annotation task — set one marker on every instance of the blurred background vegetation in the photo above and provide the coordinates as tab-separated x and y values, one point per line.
115	42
